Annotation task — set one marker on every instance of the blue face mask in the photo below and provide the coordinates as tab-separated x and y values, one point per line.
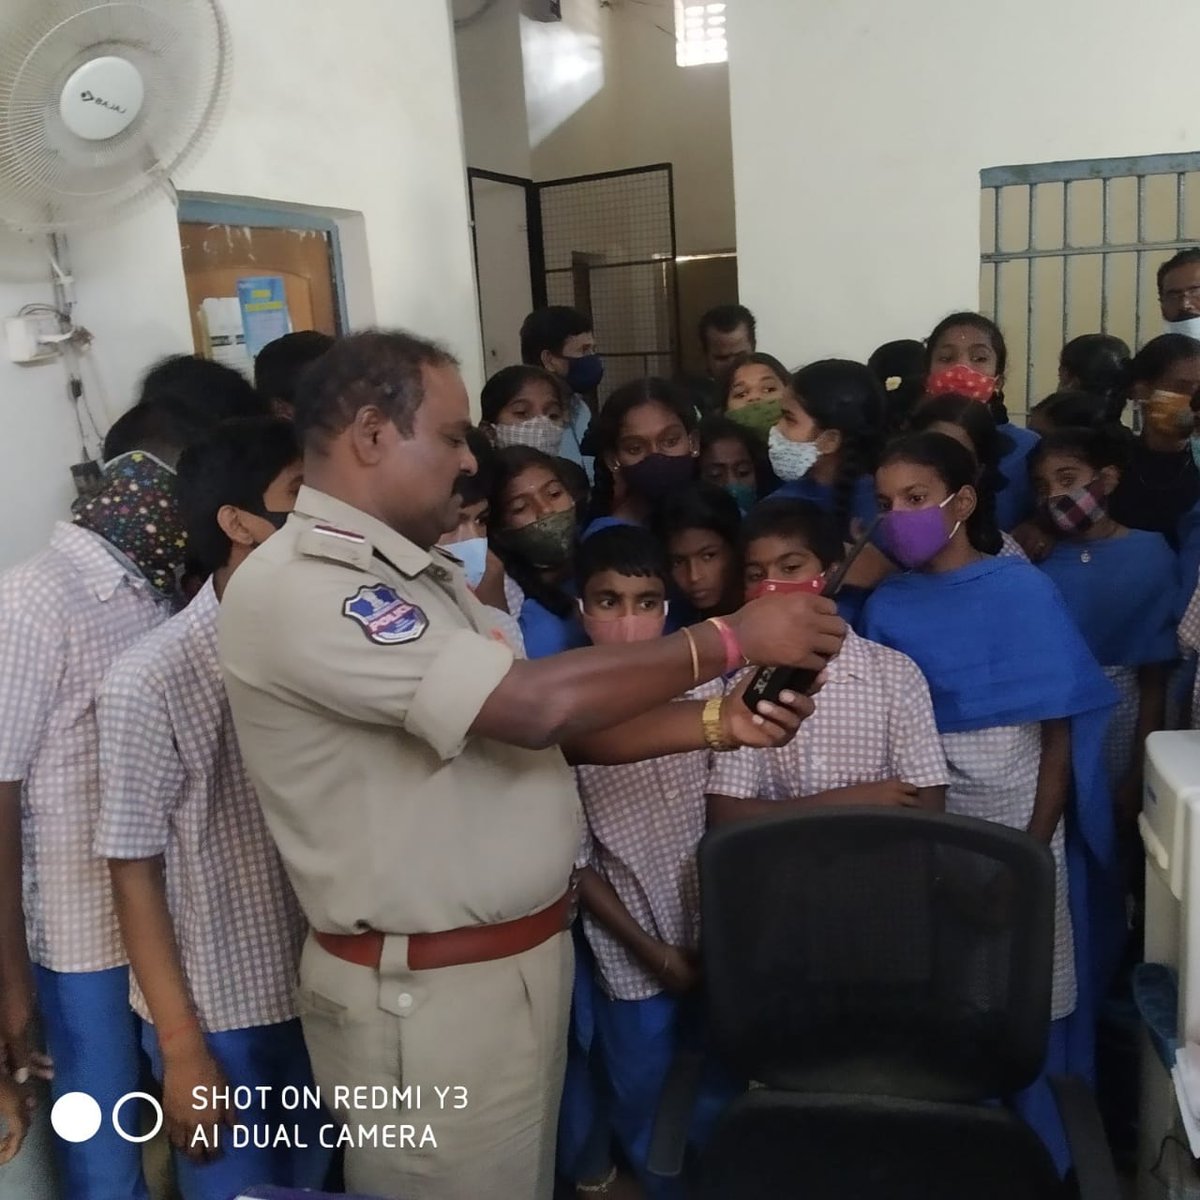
472	553
746	495
585	373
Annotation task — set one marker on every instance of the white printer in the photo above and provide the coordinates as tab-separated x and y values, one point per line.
1170	830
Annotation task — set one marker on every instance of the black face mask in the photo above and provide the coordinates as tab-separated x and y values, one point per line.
658	475
277	518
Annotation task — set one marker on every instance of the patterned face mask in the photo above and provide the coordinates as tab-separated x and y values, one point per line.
1075	512
542	433
136	511
961	380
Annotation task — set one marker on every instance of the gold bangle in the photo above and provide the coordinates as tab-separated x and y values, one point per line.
691	641
710	719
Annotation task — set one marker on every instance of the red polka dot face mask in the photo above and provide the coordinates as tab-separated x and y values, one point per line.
135	510
962	380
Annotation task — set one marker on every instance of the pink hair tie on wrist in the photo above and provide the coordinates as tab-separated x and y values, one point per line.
734	657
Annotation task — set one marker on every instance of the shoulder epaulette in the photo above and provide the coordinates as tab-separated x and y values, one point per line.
336	545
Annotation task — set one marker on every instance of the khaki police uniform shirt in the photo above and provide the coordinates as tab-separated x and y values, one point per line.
356	663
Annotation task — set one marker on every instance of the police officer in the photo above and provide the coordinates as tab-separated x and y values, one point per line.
410	772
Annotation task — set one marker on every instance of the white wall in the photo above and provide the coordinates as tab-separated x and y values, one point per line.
860	128
603	93
492	87
385	142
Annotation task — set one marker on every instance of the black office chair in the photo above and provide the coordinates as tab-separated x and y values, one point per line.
881	975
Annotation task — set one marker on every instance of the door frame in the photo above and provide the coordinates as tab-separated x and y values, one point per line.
533	222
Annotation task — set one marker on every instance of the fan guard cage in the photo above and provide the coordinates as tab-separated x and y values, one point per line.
50	179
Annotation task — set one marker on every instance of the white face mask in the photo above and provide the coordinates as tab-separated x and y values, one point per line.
790	460
1189	327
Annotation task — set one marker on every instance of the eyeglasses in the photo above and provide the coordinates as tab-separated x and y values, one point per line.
1179	295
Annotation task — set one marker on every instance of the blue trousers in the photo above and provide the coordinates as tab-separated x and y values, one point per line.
584	1153
1036	1104
92	1035
271	1057
638	1041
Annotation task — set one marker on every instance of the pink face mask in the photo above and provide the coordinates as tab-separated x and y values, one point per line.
616	631
961	380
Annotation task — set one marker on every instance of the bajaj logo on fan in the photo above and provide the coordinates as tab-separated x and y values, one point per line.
91	98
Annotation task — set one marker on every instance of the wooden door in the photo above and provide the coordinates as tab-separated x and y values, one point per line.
215	257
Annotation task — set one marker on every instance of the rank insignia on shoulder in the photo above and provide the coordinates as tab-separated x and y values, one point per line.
386	618
345	534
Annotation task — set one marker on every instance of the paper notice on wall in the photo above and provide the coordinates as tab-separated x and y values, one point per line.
222	317
264	311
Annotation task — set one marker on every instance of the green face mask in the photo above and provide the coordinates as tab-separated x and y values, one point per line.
746	495
545	543
758	416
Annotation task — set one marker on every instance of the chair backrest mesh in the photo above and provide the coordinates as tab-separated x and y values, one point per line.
773	1145
878	951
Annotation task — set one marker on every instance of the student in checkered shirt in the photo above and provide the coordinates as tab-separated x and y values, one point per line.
872	738
1022	707
637	881
105	580
210	923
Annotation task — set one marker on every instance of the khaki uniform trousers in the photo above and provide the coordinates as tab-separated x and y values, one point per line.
482	1050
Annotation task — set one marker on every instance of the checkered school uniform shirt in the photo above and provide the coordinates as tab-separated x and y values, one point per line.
65	616
644	822
1010	548
873	721
173	783
1189	643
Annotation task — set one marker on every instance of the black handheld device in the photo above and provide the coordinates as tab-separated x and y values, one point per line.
769	682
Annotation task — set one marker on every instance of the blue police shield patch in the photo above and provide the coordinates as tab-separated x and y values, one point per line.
386	618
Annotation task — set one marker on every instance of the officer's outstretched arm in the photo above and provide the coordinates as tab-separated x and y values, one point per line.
556	700
677	728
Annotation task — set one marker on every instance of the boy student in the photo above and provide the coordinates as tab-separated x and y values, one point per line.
872	738
279	365
105	580
560	340
637	881
210	923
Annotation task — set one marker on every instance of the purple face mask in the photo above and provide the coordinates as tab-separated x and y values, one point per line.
915	536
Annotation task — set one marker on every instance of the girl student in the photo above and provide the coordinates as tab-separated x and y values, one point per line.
646	447
735	458
1119	585
966	354
1095	363
1022	708
754	392
972	425
827	438
900	368
1159	489
533	528
698	529
1069	410
524	406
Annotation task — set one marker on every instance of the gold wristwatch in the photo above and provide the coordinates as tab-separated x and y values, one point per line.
710	718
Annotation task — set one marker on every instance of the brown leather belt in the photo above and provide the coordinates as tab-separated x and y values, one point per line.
455	947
